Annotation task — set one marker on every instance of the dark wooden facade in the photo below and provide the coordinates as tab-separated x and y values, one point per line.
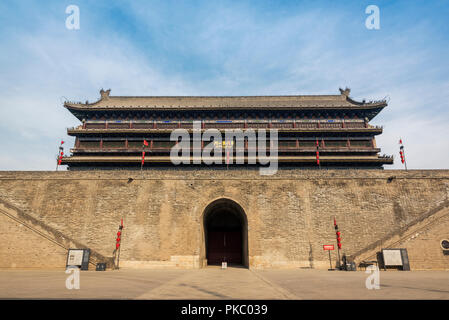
113	128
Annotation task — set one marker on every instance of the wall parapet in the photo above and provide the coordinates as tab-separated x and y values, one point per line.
223	174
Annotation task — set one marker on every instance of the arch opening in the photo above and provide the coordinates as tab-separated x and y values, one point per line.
225	233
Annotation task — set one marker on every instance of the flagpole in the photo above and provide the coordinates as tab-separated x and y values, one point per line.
118	245
402	152
145	144
337	265
60	153
143	155
121	235
141	163
405	159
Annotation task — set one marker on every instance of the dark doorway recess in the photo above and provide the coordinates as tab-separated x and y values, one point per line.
225	230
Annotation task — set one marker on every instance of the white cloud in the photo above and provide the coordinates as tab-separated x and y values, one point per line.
56	67
238	51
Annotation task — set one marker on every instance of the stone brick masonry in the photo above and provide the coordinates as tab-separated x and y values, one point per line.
290	215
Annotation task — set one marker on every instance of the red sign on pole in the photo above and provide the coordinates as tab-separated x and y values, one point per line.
328	247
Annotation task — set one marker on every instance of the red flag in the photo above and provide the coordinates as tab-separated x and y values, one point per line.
402	153
335	225
61	153
317	153
145	143
143	157
338	233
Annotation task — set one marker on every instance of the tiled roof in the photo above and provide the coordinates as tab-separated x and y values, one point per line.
107	102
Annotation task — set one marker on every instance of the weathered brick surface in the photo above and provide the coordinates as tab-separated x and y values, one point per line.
423	247
290	215
23	248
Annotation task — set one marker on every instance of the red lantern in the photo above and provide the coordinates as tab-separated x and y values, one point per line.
338	239
117	245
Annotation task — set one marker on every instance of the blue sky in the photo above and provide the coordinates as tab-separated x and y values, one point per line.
223	48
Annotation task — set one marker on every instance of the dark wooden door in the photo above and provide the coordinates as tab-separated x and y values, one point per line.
224	246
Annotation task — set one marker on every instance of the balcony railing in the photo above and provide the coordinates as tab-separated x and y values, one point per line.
280	149
227	125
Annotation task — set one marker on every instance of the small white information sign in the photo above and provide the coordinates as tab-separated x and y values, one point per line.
224	265
75	257
392	257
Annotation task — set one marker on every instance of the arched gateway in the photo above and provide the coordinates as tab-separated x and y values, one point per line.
225	233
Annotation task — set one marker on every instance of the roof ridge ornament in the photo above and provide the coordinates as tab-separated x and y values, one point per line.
105	94
345	92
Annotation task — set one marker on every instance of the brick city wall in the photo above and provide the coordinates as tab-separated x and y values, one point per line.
290	215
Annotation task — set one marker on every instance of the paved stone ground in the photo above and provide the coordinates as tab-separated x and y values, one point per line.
214	283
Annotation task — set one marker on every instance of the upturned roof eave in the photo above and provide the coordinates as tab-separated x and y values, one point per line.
202	103
83	107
